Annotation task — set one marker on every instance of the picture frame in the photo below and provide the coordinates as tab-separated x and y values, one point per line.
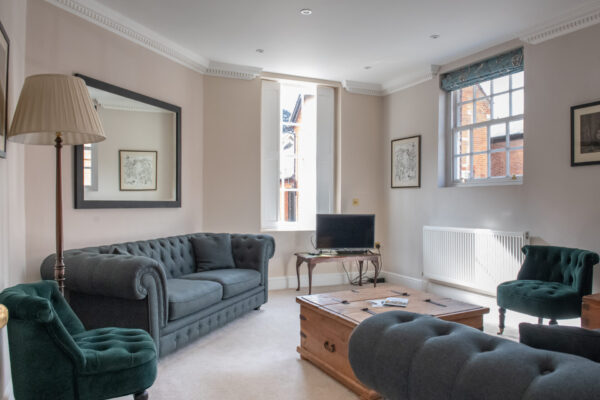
138	170
4	66
585	134
406	162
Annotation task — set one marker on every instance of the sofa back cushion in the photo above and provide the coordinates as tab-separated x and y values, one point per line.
212	251
175	254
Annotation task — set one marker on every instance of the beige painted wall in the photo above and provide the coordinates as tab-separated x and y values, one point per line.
232	164
58	42
556	203
12	188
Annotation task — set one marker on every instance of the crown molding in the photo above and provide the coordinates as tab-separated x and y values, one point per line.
370	89
108	19
225	70
402	83
578	19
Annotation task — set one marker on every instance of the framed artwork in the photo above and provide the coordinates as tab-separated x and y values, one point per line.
585	134
137	170
406	162
4	46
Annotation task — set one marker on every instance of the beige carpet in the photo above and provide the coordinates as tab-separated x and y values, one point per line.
253	357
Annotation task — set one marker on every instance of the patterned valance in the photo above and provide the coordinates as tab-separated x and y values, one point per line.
494	67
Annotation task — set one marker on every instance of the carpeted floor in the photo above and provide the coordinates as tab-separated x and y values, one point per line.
254	357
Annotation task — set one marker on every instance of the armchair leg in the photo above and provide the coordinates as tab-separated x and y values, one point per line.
553	322
502	315
257	308
540	321
141	396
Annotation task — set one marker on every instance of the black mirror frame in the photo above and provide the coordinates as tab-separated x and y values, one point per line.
80	202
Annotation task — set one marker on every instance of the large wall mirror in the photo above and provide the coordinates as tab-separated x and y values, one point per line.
139	163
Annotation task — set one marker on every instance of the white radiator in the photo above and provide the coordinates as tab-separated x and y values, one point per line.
475	259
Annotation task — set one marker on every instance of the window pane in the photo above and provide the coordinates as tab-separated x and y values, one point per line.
501	84
516	162
462	167
482	89
480	166
517	80
462	142
291	104
482	110
516	126
498	164
498	130
517	102
497	136
87	177
480	139
465	114
466	94
501	106
289	205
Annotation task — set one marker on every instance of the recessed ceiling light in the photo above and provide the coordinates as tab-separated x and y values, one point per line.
434	36
368	67
260	51
306	11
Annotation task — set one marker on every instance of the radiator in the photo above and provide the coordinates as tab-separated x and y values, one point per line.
474	259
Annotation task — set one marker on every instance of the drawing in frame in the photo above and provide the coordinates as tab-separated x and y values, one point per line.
4	51
137	170
585	134
406	162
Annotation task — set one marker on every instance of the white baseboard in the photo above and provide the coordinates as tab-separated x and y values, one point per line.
291	281
404	280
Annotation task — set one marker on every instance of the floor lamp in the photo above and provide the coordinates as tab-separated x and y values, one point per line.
56	110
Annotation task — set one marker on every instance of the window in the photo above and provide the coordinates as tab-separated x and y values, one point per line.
90	166
296	154
486	121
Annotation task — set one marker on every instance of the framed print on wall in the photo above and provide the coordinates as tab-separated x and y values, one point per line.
406	162
585	134
137	170
4	46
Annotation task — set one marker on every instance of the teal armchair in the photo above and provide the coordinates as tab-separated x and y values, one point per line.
53	357
550	284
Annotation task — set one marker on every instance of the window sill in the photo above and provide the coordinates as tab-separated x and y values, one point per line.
287	229
489	182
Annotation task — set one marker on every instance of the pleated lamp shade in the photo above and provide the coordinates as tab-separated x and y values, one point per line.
55	103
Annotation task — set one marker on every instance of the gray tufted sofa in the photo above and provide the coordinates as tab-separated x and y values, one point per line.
153	285
403	355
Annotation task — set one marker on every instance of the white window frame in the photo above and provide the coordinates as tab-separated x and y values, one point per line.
454	129
271	157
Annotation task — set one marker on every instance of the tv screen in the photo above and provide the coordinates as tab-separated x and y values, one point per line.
345	231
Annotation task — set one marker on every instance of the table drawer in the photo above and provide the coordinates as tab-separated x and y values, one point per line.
325	339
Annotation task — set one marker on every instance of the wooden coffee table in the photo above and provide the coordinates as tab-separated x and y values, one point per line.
327	321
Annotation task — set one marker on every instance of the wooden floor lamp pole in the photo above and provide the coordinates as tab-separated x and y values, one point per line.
59	266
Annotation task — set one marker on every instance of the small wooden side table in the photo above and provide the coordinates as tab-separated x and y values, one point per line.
590	311
312	260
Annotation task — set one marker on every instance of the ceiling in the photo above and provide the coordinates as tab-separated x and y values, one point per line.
342	37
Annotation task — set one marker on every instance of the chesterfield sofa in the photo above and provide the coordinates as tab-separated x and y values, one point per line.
176	288
407	356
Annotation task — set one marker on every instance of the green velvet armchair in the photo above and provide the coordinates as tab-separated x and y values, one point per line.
550	284
53	357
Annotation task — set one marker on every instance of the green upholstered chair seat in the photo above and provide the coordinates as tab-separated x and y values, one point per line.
188	296
234	281
114	349
543	299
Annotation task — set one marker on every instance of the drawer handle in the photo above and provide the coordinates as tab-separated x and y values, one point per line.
329	347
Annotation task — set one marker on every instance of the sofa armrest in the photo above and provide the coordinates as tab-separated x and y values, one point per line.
253	252
564	339
114	275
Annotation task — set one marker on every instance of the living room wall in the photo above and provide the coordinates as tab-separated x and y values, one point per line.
557	203
232	168
59	42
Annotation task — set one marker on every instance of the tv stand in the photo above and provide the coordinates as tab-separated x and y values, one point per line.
312	259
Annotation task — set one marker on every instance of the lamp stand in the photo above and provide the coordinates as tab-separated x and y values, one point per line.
59	265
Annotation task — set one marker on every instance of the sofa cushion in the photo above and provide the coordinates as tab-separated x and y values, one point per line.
234	281
213	251
189	296
565	339
539	298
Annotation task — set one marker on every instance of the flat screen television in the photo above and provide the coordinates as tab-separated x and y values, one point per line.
345	232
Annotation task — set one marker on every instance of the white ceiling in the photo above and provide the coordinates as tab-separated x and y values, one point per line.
341	37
